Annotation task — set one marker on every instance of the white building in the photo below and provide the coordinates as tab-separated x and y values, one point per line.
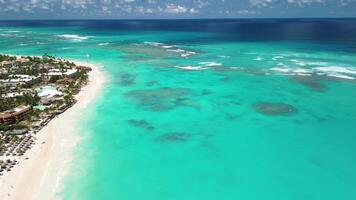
58	72
19	79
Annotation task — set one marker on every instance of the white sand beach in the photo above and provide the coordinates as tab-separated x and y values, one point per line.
39	177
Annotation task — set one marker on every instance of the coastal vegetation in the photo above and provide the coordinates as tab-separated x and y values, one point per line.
26	99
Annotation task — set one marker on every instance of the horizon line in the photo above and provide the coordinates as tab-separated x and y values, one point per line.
169	19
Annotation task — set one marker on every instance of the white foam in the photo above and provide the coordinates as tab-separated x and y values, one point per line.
103	44
318	63
223	56
336	69
168	46
210	64
300	63
176	50
171	48
188	53
236	68
191	52
185	55
343	76
277	57
258	58
281	64
192	68
302	71
280	69
73	37
154	43
6	35
332	71
292	71
13	31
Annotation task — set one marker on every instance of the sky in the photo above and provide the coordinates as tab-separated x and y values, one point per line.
174	9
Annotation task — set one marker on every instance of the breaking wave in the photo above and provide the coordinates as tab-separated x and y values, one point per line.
331	71
210	64
103	44
73	37
172	48
192	68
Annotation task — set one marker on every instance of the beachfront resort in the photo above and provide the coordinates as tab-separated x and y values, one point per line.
33	91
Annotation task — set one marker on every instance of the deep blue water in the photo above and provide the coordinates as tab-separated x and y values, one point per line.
228	29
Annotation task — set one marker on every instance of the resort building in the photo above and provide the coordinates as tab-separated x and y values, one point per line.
4	71
12	94
5	63
17	93
84	68
48	92
22	60
58	72
14	115
15	80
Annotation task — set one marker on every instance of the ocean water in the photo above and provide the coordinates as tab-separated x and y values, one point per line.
209	109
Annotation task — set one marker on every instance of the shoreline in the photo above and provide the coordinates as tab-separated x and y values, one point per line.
40	176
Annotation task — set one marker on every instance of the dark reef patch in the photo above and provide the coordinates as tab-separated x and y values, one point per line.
274	109
317	162
174	137
232	117
161	99
152	83
126	79
206	92
186	102
141	124
150	50
227	79
310	82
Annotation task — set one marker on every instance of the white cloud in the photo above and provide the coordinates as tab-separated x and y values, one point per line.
174	9
118	8
266	3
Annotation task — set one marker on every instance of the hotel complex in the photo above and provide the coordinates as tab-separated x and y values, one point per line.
14	115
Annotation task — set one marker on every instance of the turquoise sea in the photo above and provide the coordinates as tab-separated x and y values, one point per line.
209	109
